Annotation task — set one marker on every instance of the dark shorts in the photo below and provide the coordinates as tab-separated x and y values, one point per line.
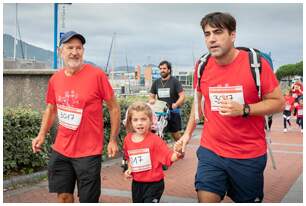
174	123
64	172
287	113
147	192
240	179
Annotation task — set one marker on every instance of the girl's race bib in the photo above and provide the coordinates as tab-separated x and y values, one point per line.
140	160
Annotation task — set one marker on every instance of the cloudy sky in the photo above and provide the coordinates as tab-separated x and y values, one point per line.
148	33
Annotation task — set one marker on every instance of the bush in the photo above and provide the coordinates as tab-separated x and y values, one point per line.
21	125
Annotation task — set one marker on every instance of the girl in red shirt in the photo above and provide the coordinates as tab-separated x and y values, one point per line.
299	115
146	153
289	100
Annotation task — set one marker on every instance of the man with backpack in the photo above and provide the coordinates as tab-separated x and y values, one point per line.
235	90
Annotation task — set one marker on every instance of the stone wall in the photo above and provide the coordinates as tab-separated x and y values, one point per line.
25	87
24	64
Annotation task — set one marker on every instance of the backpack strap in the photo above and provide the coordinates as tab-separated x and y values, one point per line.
255	65
200	69
201	66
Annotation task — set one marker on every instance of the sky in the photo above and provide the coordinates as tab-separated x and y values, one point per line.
149	33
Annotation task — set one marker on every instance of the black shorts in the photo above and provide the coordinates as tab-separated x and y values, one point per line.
174	122
64	172
147	192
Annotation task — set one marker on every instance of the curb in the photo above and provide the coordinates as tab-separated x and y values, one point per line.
37	176
30	178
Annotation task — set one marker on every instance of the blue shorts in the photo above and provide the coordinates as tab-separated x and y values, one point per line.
240	179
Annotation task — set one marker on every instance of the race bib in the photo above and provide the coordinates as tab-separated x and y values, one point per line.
300	112
69	117
216	94
163	92
140	160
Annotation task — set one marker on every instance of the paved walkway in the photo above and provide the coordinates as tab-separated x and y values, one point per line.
281	185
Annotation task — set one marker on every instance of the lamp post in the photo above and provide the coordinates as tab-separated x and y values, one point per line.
56	32
55	36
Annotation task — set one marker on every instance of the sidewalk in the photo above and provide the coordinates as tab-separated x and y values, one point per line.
281	185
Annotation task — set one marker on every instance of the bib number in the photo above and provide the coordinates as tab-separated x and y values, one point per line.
69	117
140	160
217	94
163	92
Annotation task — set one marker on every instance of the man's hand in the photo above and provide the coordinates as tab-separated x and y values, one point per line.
180	145
174	106
230	108
37	142
151	101
112	148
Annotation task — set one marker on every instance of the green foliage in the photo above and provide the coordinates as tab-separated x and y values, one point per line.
290	70
21	125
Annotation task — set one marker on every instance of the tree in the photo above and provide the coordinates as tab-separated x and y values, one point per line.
290	70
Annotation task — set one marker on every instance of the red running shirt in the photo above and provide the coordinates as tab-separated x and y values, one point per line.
147	157
78	99
234	137
289	100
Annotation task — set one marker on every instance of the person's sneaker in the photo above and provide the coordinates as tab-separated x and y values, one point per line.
285	130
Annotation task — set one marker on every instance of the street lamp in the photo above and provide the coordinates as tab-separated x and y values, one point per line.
55	33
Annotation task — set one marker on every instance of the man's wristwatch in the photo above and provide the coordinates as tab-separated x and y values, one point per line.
246	110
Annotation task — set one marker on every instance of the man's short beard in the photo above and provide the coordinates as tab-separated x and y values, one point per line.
162	75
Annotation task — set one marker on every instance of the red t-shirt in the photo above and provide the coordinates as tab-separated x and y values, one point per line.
299	110
79	99
289	100
234	137
147	157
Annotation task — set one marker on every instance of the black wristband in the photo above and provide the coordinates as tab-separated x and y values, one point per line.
246	110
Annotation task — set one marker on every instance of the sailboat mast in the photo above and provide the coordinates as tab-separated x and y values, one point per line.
109	53
15	39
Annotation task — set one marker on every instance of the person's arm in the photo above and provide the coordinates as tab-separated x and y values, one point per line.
180	100
272	102
114	113
128	172
46	123
152	98
188	131
153	92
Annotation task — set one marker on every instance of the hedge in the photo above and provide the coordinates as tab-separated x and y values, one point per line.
21	125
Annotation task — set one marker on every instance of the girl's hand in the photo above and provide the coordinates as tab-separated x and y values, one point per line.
178	149
128	174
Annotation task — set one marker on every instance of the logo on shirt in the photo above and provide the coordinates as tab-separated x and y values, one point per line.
69	114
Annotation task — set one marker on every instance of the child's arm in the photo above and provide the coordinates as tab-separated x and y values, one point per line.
128	172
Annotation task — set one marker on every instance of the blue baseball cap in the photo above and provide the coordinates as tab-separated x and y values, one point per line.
68	35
